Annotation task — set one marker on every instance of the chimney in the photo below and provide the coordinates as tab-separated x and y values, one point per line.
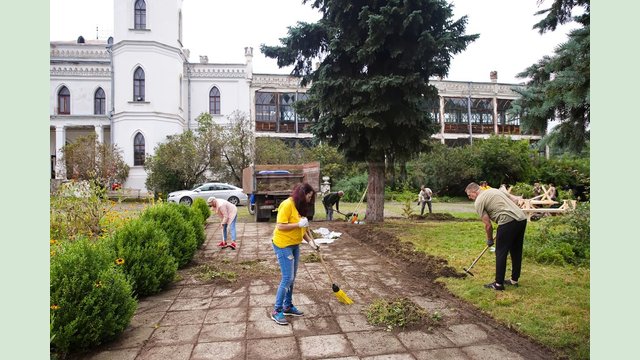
204	59
493	75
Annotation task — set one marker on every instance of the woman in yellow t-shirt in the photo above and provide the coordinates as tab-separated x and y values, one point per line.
290	229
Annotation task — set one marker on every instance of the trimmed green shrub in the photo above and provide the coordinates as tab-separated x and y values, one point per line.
146	252
562	239
402	195
91	299
194	218
181	235
353	188
522	189
202	206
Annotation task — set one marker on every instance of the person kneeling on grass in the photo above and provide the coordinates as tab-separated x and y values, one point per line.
287	237
229	214
495	205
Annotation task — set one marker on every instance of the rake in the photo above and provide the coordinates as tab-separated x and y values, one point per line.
468	271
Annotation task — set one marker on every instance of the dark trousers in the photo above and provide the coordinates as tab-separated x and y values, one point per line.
422	209
509	240
328	211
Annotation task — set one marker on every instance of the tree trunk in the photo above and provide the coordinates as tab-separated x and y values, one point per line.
375	192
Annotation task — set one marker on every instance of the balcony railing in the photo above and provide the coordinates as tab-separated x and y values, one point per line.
285	127
458	128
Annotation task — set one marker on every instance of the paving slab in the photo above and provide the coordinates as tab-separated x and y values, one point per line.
322	346
379	342
273	349
173	352
225	350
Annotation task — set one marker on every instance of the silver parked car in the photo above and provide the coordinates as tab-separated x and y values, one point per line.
232	194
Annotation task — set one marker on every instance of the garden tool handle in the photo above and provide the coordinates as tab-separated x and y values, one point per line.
479	256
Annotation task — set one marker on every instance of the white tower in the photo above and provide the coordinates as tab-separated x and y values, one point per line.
148	63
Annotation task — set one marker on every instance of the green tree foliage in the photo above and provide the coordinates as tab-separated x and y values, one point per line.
502	160
497	160
446	170
559	85
276	151
369	92
238	146
88	159
183	160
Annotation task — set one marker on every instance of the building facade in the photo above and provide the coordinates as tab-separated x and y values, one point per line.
138	87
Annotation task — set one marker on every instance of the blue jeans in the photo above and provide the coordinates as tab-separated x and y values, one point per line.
288	259
233	230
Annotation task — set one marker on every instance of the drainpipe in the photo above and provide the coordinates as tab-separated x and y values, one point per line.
113	91
469	115
188	96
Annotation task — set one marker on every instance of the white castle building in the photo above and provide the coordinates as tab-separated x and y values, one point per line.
138	87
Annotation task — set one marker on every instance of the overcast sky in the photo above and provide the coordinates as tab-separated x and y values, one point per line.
221	29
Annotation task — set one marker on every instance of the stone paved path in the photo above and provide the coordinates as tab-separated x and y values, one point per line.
191	321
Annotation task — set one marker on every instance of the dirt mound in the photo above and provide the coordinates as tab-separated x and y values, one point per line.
434	216
414	262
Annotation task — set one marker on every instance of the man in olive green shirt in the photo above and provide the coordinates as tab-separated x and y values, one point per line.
495	205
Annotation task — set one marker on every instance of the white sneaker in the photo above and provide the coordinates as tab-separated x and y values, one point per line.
492	249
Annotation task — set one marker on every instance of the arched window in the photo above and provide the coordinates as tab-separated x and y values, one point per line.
138	150
214	101
99	102
140	15
64	101
138	85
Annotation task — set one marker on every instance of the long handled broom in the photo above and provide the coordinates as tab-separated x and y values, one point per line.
340	295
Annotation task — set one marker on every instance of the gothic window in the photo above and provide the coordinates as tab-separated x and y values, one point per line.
64	101
140	15
138	85
265	106
99	102
506	115
455	110
138	150
286	107
481	111
214	101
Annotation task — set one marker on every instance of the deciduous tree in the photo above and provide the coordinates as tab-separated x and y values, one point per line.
88	159
239	145
185	159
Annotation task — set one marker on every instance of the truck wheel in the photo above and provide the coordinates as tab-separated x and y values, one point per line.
252	209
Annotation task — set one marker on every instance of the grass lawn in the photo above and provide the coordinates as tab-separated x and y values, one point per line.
551	304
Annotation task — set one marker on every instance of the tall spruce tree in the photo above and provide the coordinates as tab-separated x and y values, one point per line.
369	91
558	85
